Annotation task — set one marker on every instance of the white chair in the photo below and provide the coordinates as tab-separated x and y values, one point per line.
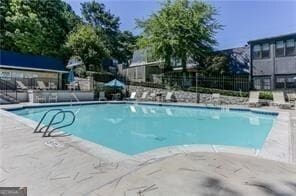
21	85
53	97
215	99
132	96
52	85
144	95
279	100
102	96
153	96
169	97
254	99
41	85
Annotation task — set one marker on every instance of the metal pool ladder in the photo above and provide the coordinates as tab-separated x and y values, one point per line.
48	132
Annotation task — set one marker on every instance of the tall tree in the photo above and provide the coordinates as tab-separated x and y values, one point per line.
216	64
95	14
181	29
126	45
36	27
88	43
120	44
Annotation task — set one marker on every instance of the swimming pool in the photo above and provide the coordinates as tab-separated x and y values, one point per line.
136	128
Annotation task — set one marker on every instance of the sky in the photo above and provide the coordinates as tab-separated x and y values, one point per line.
243	20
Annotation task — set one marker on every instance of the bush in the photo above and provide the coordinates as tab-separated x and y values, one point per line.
266	95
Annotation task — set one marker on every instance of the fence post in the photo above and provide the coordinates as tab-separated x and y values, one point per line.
196	86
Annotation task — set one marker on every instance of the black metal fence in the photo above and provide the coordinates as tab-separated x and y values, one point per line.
18	84
232	83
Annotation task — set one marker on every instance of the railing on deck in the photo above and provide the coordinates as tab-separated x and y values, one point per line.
18	84
233	83
8	88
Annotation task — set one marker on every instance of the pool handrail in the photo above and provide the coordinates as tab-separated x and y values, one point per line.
48	133
41	120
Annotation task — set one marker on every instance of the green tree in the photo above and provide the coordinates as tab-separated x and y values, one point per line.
88	43
36	27
182	29
216	64
126	45
120	44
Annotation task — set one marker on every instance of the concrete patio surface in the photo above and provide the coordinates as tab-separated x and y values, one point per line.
59	166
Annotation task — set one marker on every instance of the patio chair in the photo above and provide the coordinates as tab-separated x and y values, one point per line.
153	96
254	99
52	85
132	96
169	97
291	97
41	85
53	97
102	96
40	98
144	95
279	100
215	99
20	85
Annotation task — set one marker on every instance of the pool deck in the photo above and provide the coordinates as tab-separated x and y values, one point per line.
72	166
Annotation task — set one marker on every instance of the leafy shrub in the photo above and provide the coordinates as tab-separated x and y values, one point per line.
266	95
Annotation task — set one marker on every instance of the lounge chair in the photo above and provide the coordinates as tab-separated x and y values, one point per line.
153	96
279	100
169	97
215	99
254	99
52	85
132	97
20	85
41	85
102	96
291	97
53	97
144	95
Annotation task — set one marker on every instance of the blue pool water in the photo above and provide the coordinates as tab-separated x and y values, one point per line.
133	129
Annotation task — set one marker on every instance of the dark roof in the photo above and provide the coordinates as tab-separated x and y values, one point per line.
26	61
238	59
278	37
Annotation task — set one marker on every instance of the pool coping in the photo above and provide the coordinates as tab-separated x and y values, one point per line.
277	145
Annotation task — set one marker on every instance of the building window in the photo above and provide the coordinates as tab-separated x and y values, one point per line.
257	52
280	49
266	84
291	82
257	84
290	47
280	82
265	51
